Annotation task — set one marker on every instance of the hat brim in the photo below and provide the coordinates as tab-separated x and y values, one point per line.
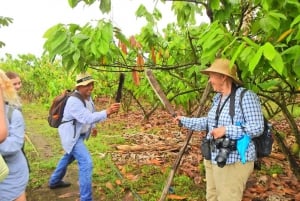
84	83
211	70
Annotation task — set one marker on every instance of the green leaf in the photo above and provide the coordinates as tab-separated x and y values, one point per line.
297	35
229	46
296	66
213	38
68	63
107	32
5	21
237	53
141	11
277	15
57	42
269	51
268	23
185	13
88	2
105	6
254	61
215	4
295	21
294	50
247	54
234	1
211	50
95	49
52	30
265	4
157	14
2	44
73	3
78	38
269	84
277	64
250	42
73	28
104	48
119	35
76	56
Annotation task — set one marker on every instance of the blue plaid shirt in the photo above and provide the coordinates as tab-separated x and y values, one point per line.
251	124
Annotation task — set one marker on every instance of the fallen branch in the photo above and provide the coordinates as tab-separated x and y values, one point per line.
30	142
122	178
183	149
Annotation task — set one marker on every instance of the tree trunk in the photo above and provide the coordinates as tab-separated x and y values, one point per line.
293	163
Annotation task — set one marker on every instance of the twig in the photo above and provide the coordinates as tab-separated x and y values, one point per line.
30	142
121	177
180	154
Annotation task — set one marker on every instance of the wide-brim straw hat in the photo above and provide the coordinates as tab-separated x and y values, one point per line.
222	66
84	79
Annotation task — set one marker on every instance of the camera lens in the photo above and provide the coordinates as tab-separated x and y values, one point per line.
219	143
221	158
226	143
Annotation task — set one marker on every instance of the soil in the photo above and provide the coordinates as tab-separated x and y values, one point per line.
275	187
43	193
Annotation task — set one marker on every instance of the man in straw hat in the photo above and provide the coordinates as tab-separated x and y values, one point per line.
226	172
79	119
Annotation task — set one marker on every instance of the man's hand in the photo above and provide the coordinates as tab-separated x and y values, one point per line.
113	108
94	132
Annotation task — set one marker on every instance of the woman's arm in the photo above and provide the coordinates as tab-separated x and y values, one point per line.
3	125
15	140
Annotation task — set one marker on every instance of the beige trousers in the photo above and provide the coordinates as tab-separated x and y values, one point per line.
227	183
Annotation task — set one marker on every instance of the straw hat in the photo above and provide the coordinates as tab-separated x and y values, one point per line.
84	79
222	66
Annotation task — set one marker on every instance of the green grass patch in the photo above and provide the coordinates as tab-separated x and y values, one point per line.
144	181
274	169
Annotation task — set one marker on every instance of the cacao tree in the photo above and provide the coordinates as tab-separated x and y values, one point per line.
260	36
4	21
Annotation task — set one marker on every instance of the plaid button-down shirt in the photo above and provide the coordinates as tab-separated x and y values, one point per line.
251	123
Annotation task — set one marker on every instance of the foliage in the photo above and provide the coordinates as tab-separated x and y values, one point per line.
261	37
4	21
273	169
41	79
105	5
111	179
186	47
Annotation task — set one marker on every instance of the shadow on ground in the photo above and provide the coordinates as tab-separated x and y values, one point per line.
71	193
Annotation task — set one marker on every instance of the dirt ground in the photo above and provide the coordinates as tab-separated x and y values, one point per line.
66	194
283	187
43	193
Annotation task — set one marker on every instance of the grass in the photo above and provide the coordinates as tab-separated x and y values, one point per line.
113	177
111	181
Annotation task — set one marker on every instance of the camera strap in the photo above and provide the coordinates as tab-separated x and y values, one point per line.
220	108
232	102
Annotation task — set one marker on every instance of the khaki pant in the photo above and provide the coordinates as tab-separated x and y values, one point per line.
227	183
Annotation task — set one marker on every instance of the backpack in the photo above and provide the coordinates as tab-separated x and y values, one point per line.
56	110
264	142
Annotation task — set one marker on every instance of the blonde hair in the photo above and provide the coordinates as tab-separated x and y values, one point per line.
10	95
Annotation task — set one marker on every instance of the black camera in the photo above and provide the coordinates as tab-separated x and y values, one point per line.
205	148
225	146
